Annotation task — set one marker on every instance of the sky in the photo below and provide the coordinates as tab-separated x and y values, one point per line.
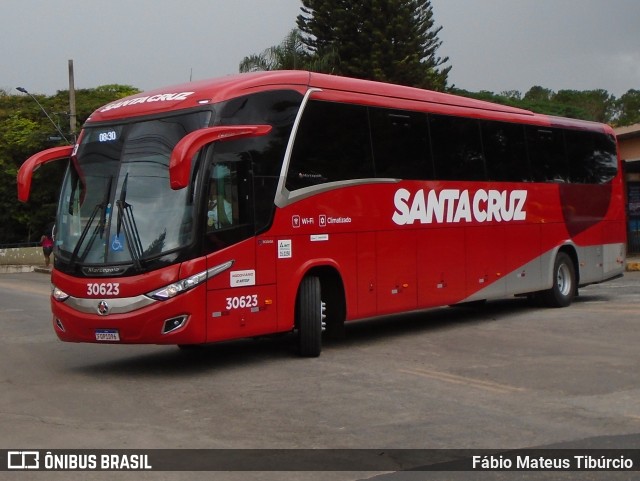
494	45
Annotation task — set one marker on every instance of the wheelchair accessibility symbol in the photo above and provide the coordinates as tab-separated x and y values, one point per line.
117	243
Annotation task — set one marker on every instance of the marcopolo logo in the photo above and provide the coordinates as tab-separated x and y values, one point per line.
455	206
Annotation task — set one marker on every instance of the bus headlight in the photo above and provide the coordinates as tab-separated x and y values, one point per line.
179	287
172	290
58	294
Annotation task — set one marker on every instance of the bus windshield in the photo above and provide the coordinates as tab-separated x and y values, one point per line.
117	206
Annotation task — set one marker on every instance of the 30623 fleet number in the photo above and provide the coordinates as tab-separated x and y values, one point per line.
241	302
103	289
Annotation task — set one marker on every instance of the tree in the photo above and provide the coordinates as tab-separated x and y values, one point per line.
628	108
538	94
386	40
24	130
87	100
289	55
514	95
598	105
594	105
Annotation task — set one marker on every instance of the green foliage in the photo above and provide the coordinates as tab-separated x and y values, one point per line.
538	94
18	134
25	130
595	105
88	100
387	40
289	55
628	108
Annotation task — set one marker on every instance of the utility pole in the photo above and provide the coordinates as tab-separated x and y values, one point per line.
72	100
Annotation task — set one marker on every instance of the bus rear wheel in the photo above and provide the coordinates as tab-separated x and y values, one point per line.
310	317
564	286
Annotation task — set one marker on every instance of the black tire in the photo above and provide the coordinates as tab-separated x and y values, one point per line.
309	317
564	286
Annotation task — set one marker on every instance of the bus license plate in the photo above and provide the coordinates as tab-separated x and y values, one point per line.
110	335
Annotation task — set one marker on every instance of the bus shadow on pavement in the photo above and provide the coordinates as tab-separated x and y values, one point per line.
169	361
429	320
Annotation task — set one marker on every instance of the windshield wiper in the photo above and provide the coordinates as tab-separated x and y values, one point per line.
99	228
127	223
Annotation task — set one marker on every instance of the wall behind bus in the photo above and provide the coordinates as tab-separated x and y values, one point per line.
21	256
629	142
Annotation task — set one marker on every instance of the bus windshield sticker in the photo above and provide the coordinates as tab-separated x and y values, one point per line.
117	242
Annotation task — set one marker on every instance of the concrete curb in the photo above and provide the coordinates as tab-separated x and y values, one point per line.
13	269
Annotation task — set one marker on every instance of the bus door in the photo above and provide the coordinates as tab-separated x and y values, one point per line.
237	297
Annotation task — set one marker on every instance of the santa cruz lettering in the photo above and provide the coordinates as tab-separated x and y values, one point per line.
148	99
455	206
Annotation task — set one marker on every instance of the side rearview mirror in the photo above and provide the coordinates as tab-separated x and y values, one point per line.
25	174
183	152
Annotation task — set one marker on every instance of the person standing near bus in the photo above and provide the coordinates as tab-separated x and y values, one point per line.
46	241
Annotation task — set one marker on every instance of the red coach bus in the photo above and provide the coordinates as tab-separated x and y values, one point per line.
282	202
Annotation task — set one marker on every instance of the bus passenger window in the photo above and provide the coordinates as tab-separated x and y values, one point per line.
332	144
457	148
228	208
505	151
400	142
592	157
547	155
220	203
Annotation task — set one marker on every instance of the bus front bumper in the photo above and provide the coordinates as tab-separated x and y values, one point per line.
175	321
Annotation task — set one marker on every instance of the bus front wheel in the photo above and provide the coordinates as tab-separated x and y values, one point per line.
310	317
564	286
